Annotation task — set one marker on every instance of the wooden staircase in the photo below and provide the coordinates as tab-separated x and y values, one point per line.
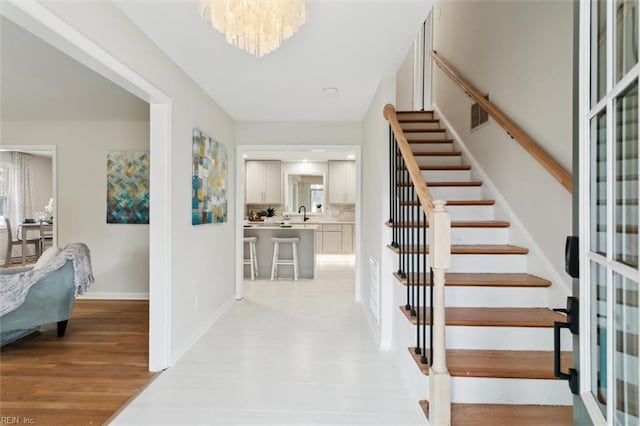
484	264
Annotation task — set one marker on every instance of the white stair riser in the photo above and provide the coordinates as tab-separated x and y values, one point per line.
629	164
430	147
505	338
461	212
446	175
479	297
481	390
626	187
484	263
624	243
426	135
446	160
452	193
461	235
417	115
424	125
496	297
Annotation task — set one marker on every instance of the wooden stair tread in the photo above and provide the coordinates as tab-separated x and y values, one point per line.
457	203
447	183
438	130
494	317
421	141
470	249
499	363
437	154
441	168
406	111
471	279
418	120
460	224
507	414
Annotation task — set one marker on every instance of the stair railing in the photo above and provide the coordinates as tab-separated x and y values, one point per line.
411	203
536	151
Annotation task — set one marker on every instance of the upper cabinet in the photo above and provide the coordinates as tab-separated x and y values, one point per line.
342	182
264	185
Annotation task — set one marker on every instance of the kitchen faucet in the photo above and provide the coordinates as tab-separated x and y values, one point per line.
305	213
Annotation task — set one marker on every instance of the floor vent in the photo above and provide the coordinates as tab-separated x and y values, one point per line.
374	285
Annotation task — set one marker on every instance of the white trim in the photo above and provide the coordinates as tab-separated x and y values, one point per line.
39	20
178	353
534	249
106	295
240	197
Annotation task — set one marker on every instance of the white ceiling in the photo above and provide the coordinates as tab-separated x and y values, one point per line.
348	44
301	155
38	82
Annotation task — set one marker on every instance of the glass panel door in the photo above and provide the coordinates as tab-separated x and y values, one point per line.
609	193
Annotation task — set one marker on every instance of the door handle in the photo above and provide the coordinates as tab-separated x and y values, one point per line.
572	324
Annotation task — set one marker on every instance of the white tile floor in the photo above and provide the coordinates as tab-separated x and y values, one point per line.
287	354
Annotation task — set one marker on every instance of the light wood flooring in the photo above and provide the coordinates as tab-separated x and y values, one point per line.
84	377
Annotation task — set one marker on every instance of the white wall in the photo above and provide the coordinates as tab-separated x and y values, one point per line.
42	182
202	280
375	189
311	133
521	54
405	83
119	253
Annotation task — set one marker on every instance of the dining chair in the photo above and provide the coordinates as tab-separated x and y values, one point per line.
18	242
46	236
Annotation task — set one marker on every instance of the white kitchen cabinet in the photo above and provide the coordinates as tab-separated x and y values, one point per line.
331	242
264	182
319	240
342	182
347	239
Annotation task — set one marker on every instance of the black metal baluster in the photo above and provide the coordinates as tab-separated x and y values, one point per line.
423	358
412	245
417	272
391	179
396	201
431	321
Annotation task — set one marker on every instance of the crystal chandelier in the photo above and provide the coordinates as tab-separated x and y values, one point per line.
256	26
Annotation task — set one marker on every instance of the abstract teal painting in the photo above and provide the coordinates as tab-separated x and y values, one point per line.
128	187
209	180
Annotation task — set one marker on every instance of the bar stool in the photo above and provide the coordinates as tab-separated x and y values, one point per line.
253	258
291	262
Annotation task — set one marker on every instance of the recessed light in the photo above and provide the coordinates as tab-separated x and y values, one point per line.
244	155
351	157
330	91
304	160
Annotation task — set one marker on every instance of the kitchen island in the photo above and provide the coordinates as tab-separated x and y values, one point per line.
264	248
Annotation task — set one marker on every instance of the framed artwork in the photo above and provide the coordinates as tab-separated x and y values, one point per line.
209	180
128	187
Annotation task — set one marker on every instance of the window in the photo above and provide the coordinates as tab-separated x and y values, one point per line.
4	190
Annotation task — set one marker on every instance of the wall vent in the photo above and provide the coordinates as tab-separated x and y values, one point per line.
478	115
374	288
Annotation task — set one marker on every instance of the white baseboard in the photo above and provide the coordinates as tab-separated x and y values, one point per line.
177	354
557	278
115	296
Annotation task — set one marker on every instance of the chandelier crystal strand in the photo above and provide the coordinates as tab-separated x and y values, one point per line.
256	26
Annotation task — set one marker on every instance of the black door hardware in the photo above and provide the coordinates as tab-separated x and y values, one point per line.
573	324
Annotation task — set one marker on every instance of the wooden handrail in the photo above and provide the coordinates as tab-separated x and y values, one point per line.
424	195
512	129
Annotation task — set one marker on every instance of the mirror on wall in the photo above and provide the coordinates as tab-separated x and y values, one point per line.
305	190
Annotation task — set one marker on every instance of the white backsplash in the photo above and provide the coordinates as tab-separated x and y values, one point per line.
337	212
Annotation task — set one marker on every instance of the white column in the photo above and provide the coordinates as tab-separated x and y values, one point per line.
440	261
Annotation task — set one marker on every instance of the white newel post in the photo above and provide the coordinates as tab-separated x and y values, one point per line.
440	260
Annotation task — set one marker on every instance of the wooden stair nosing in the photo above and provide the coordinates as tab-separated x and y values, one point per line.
492	317
457	203
406	111
460	224
507	414
437	130
453	183
418	141
437	154
471	279
452	167
418	120
464	249
499	363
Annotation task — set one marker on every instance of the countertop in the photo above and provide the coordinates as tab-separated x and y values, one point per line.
271	226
